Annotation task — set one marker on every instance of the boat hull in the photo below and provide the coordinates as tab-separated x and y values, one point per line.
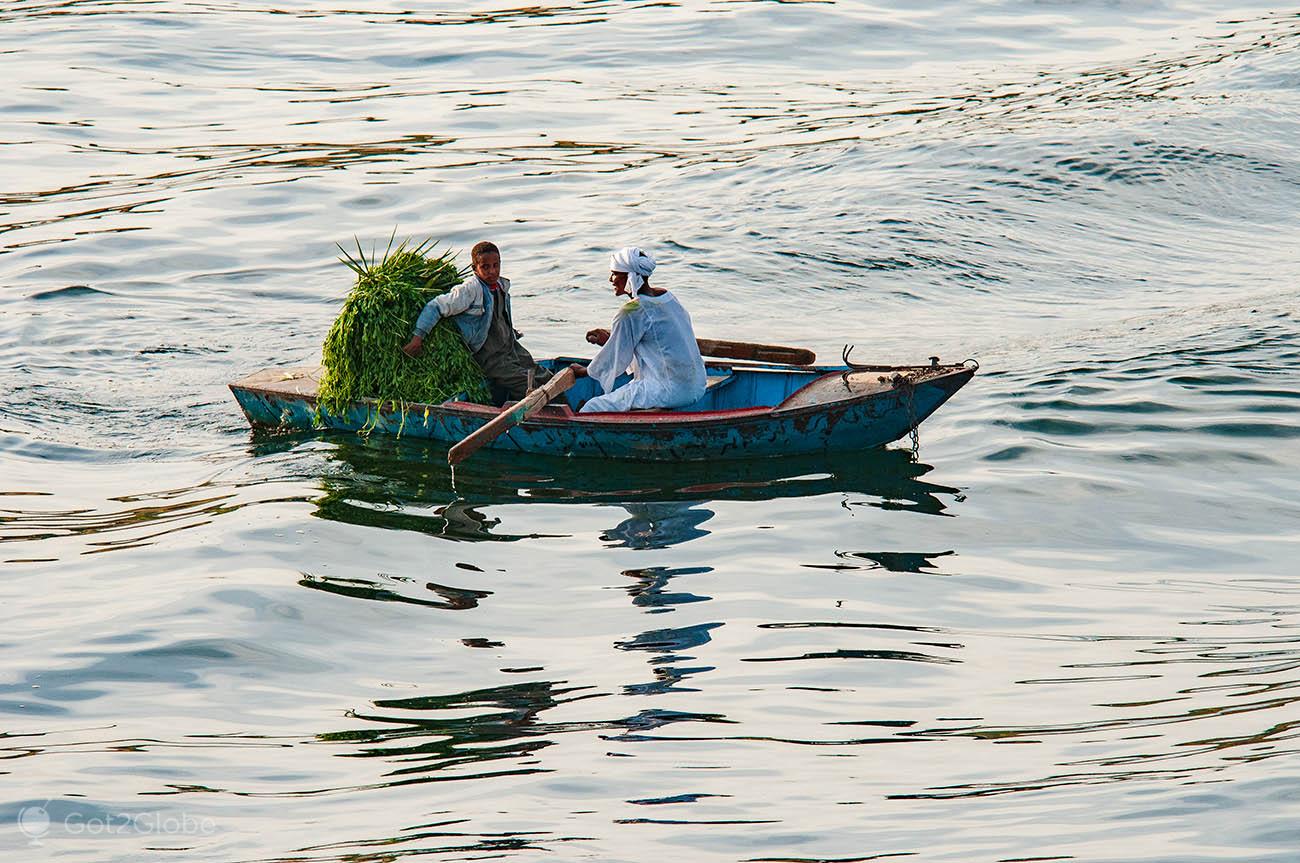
854	422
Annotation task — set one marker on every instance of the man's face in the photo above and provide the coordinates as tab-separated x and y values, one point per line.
488	267
619	281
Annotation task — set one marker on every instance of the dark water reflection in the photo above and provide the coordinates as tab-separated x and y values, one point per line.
651	592
406	485
460	736
451	598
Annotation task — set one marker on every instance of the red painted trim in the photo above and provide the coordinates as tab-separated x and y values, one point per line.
611	417
632	420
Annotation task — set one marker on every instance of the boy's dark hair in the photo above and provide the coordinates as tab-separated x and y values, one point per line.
483	248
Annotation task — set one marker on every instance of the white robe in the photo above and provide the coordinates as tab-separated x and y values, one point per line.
654	336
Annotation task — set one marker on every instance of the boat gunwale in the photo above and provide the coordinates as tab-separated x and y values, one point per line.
646	420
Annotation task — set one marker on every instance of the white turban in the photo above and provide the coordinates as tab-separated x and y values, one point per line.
637	264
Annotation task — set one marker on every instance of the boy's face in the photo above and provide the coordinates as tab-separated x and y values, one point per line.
488	267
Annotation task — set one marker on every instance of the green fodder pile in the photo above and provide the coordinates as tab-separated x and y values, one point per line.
363	355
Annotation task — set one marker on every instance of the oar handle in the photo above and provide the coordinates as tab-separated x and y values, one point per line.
510	416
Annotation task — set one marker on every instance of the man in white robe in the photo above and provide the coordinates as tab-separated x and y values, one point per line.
652	335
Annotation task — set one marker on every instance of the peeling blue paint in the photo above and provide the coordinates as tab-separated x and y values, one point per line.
851	423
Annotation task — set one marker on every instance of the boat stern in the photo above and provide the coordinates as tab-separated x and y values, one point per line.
279	397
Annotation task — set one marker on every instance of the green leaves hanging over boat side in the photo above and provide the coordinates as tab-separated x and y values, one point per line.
362	353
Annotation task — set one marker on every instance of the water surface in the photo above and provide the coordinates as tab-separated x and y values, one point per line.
1067	630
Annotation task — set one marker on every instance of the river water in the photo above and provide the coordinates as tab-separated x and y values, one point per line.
1070	630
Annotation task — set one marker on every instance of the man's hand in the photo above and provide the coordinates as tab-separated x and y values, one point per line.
412	348
598	336
578	370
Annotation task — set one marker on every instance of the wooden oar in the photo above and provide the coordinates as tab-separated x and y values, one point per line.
735	350
511	416
751	351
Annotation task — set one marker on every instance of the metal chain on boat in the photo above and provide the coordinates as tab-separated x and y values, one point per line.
909	392
906	387
904	382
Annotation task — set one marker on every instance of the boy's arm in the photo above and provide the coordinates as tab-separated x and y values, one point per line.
455	301
413	347
428	318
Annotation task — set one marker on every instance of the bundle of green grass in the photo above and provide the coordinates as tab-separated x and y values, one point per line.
363	355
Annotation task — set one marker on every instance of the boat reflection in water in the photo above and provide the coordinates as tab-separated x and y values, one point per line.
407	485
658	525
492	731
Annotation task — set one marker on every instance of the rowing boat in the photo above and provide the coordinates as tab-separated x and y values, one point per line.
748	410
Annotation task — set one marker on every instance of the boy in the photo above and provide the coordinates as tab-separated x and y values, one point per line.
480	308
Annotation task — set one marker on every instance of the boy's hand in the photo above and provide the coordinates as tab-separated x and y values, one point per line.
578	371
412	348
518	335
598	336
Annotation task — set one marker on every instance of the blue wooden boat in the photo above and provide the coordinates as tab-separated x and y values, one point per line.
749	410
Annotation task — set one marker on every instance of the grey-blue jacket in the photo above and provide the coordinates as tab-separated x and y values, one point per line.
469	305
